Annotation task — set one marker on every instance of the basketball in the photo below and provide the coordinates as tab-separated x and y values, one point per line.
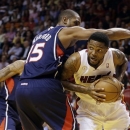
112	88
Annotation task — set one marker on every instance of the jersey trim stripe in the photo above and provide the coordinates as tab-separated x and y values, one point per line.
69	117
10	85
2	125
29	53
55	44
6	112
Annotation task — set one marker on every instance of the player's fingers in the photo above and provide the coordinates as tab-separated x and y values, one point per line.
98	89
99	95
99	99
96	81
93	84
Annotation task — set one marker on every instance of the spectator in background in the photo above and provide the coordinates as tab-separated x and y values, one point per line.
6	17
10	10
25	15
34	14
15	17
39	27
106	22
54	12
23	31
25	4
111	25
18	35
3	62
114	44
1	22
15	51
100	25
99	11
28	35
31	24
11	33
127	47
118	22
27	46
5	46
2	35
43	12
125	14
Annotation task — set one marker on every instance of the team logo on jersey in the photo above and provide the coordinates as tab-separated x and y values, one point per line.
92	78
107	65
84	68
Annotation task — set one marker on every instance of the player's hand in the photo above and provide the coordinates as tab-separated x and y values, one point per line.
95	92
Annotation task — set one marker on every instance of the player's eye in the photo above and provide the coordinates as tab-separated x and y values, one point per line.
99	50
90	48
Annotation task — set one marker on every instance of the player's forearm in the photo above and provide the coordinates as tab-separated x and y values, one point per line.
3	73
11	70
118	33
121	71
74	87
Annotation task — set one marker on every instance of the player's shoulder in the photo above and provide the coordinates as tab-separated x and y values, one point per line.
118	56
113	49
116	51
75	56
83	51
78	55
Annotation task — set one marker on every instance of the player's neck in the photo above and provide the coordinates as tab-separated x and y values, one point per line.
95	66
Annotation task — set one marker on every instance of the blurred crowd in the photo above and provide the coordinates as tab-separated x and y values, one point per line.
21	20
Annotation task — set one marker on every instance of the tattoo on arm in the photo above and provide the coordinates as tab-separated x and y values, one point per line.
120	63
117	54
120	58
70	67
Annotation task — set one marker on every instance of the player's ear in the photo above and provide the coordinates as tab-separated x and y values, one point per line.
107	49
64	20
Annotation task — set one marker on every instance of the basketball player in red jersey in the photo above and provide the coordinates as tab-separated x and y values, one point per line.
89	65
55	42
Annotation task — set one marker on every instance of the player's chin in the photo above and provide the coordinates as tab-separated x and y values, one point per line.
94	62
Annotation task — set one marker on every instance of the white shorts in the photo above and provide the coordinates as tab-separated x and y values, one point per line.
106	116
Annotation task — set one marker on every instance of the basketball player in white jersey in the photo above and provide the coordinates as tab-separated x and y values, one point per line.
87	66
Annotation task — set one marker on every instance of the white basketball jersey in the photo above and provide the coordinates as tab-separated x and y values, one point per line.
91	116
87	74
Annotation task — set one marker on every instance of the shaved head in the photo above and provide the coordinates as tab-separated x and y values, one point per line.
67	13
69	18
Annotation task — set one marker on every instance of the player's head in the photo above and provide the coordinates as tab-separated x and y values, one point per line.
98	44
69	18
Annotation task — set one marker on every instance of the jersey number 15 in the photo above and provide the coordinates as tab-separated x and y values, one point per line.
35	49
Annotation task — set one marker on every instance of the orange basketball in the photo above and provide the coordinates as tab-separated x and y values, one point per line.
111	86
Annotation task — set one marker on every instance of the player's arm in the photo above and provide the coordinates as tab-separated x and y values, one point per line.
67	35
70	67
120	62
118	33
11	70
